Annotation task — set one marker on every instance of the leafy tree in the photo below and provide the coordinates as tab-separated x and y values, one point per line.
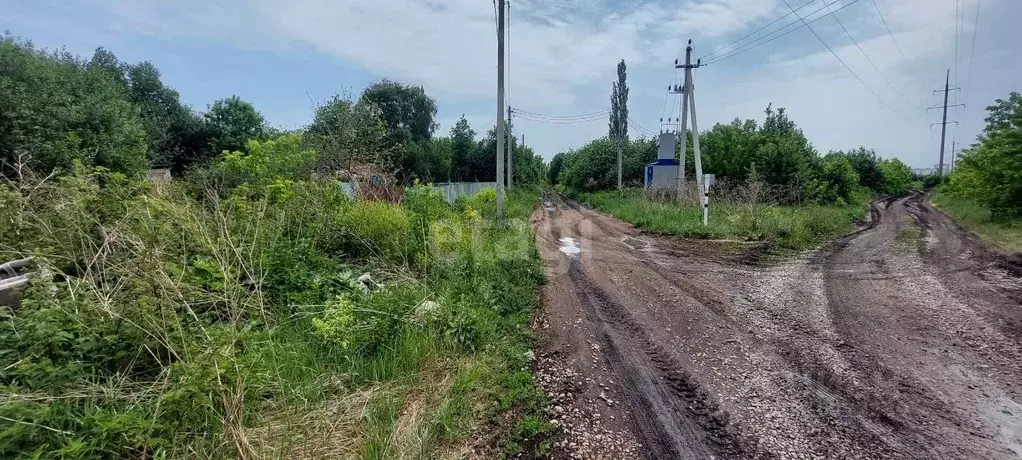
344	132
462	146
594	166
266	162
618	126
729	150
556	166
56	109
897	176
437	159
1002	113
867	165
173	131
407	110
836	181
231	123
991	171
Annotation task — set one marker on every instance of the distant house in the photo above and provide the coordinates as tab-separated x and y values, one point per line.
663	173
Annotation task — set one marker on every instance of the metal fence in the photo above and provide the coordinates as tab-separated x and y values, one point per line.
452	191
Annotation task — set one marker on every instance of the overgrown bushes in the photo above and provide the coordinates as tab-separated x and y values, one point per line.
165	324
990	171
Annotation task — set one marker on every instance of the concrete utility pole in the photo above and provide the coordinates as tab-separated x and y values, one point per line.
510	152
951	166
500	110
620	140
688	102
943	123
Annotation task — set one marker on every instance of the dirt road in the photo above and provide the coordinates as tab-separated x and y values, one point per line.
903	340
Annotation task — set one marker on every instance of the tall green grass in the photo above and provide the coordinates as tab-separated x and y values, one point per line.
785	227
274	321
1004	234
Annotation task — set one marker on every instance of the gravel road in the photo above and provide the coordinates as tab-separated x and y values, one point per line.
901	340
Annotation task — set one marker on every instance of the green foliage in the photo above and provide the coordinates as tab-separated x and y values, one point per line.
481	166
231	123
266	162
594	166
836	182
462	146
407	110
990	172
1001	232
347	133
174	133
618	125
176	324
56	109
897	177
785	227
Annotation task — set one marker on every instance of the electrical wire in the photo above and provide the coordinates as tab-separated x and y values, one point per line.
958	20
889	32
975	25
775	21
849	69
640	128
530	114
759	41
663	109
509	53
868	59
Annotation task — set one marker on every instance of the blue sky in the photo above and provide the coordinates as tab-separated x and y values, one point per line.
287	55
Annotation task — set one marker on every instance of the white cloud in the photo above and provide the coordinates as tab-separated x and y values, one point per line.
563	54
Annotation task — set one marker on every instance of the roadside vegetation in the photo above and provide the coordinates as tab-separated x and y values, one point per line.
784	226
249	308
772	185
984	192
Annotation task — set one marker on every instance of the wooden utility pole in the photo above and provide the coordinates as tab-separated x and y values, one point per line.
500	110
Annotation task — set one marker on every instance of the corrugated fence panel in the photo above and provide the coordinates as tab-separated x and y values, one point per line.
454	190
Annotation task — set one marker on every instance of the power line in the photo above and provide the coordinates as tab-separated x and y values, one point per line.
663	109
849	69
883	20
758	42
958	21
972	53
561	122
870	61
711	53
640	128
598	113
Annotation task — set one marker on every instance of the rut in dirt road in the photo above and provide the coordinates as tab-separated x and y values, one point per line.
884	344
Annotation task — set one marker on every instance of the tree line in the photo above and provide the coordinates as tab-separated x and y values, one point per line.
775	152
57	109
990	170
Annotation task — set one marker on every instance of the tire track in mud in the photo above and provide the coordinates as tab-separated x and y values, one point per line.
674	417
671	414
852	351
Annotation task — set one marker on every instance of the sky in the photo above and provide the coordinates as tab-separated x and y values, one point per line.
287	56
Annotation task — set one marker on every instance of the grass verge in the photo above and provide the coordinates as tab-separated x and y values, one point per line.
1003	234
783	227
